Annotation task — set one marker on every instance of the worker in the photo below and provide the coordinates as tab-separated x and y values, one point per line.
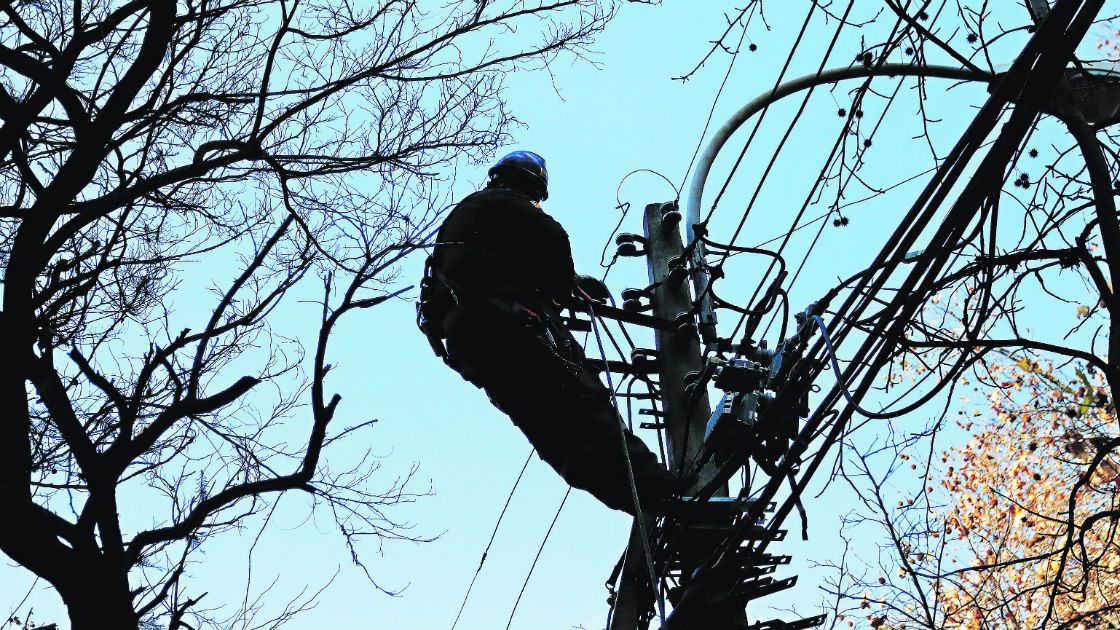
499	274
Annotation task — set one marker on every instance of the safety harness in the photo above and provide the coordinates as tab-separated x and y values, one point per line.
439	295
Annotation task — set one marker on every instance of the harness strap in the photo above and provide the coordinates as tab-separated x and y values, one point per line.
500	299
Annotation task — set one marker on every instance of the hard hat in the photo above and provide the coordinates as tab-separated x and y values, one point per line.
523	167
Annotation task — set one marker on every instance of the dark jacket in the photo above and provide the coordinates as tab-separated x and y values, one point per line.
504	255
498	242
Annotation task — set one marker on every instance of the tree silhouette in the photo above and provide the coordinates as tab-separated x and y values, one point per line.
284	144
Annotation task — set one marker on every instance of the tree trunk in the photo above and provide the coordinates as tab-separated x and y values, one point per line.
97	597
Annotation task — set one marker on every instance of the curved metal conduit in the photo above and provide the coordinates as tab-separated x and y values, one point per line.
724	133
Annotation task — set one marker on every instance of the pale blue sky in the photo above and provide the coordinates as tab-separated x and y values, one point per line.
606	121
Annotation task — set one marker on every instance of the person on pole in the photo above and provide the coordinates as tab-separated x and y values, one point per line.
499	273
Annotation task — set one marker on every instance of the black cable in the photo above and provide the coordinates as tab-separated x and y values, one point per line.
840	375
921	213
823	175
813	245
538	556
840	141
762	114
1029	79
493	534
774	157
625	208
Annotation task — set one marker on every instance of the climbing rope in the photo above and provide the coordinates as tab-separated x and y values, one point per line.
642	533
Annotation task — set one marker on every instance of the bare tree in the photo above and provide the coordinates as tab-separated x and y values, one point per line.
283	145
1015	526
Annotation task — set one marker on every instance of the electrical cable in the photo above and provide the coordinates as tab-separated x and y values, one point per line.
625	206
955	224
537	557
842	187
861	93
1030	78
839	375
493	534
811	423
762	115
777	152
840	142
1017	82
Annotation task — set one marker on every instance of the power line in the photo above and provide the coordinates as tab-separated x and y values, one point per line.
842	187
851	117
1036	70
765	110
537	557
493	534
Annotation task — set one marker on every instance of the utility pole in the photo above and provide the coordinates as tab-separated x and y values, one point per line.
680	361
684	402
689	537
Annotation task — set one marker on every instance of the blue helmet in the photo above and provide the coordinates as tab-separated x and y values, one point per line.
522	169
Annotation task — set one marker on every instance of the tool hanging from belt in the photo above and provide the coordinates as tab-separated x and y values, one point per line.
437	297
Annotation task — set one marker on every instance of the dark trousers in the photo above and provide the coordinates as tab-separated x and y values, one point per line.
534	372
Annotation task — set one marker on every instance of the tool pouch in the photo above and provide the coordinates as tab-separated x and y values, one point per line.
436	301
546	323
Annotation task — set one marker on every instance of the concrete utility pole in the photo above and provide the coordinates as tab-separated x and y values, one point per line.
685	410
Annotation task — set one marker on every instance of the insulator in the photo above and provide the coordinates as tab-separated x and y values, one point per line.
691	378
633	294
627	237
628	250
676	276
634	306
643	359
670	215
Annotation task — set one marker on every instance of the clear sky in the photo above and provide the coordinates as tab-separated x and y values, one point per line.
594	125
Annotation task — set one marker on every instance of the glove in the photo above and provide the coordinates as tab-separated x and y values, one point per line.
593	287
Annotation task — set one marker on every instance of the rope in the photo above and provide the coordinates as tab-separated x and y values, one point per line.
538	556
642	533
493	534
